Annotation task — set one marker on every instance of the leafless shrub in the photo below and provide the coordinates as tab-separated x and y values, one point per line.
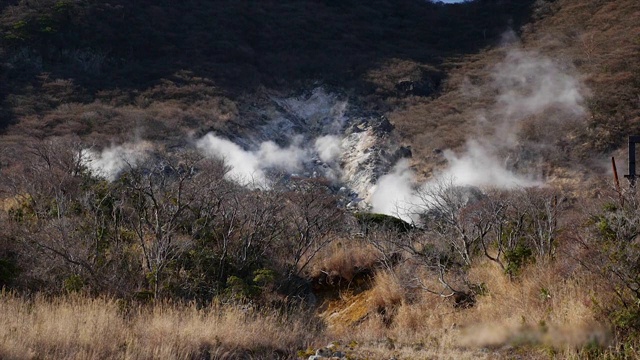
313	220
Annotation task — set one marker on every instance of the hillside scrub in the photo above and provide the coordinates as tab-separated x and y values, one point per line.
170	227
430	68
73	52
121	238
535	270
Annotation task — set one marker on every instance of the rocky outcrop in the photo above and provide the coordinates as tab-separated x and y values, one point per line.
351	147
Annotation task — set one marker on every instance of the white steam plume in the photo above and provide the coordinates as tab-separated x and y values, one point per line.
245	166
527	84
248	167
394	192
329	148
109	162
319	116
291	158
320	111
479	167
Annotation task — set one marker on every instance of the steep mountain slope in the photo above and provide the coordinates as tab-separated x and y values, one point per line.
432	69
83	52
602	39
592	44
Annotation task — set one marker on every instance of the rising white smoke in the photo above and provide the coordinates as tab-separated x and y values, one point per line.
248	167
397	193
321	112
289	159
245	166
527	84
111	161
329	148
319	116
394	193
479	167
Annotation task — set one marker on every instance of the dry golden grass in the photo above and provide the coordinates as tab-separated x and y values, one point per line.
543	314
540	315
13	202
387	291
77	327
345	259
540	308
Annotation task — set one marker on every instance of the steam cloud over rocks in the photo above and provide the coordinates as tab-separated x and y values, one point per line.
527	85
329	148
302	136
248	167
111	161
309	135
317	134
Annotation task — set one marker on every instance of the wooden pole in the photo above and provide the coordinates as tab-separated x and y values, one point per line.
615	177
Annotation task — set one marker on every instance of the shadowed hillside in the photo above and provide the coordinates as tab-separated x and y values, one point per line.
129	46
243	44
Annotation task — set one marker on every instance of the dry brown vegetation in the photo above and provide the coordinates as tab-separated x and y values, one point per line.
170	110
540	316
430	72
234	272
186	264
81	327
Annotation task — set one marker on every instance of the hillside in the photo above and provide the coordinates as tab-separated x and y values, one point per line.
592	43
397	179
193	66
216	50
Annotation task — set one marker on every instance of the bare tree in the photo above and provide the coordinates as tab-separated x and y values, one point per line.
454	213
609	245
313	219
544	210
49	187
248	224
461	223
160	196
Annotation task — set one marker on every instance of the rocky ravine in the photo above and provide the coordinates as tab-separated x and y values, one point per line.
317	134
341	142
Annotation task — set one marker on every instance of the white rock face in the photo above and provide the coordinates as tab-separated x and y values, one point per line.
362	162
328	352
317	134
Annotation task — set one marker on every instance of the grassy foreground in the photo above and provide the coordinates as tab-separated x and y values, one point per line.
79	327
540	316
